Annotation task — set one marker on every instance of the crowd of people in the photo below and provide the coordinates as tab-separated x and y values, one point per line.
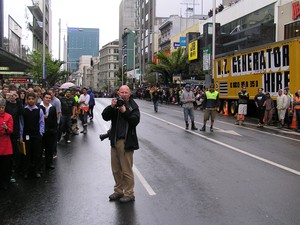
37	119
33	121
287	105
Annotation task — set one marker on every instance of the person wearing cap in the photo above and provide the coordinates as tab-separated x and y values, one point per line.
210	104
6	150
187	98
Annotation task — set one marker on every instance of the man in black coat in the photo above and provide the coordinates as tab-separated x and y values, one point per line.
124	115
50	130
15	109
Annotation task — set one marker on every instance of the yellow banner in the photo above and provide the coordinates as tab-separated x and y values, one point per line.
193	50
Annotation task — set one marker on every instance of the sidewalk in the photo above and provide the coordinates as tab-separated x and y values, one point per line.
249	122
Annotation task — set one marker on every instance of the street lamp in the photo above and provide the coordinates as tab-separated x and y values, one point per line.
44	45
213	38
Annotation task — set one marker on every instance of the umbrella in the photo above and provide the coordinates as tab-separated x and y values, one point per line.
67	85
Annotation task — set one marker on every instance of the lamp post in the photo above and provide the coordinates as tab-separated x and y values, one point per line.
44	46
213	39
122	66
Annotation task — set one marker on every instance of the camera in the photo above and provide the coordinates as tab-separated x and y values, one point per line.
104	136
120	101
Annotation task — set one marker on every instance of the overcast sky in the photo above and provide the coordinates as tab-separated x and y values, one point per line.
100	14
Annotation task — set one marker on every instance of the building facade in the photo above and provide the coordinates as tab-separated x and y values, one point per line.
80	41
36	26
108	67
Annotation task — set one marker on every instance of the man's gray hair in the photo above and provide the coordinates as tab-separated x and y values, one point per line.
2	102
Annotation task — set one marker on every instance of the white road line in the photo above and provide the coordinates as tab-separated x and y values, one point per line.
143	181
249	128
230	147
264	132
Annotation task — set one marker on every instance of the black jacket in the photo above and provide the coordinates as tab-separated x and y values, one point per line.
51	120
132	117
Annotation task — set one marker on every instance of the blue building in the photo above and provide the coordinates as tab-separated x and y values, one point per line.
81	41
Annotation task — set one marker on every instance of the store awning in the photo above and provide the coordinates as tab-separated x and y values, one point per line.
12	63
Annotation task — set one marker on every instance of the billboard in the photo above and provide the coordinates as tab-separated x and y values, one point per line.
193	50
14	37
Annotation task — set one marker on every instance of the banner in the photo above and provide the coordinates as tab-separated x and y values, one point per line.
193	50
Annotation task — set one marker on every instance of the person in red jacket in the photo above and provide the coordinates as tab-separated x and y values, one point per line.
6	151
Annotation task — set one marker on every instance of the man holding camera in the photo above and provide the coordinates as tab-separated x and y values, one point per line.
124	115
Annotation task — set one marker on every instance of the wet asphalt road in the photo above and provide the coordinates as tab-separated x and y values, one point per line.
233	176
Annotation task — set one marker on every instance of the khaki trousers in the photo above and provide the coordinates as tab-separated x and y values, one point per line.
121	164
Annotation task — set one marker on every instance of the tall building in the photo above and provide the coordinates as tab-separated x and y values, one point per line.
36	27
108	66
81	41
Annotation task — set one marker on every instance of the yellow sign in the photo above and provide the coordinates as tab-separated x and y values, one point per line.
193	50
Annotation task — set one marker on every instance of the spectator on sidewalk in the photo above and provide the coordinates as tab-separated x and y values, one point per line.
242	109
57	104
50	130
282	104
269	109
68	113
289	110
15	109
31	132
297	108
92	104
260	99
83	102
6	150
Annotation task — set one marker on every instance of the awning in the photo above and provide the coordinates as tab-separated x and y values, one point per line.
10	62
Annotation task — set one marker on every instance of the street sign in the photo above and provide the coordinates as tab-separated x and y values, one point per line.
176	44
182	41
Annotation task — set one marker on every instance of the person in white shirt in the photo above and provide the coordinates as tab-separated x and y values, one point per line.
83	102
282	103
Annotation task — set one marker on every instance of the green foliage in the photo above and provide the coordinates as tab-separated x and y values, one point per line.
175	63
53	73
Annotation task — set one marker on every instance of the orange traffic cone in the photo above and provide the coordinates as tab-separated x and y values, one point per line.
226	109
293	125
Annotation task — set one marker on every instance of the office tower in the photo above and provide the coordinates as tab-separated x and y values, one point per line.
81	41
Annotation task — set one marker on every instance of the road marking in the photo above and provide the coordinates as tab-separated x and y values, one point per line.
228	132
230	147
263	132
252	129
143	181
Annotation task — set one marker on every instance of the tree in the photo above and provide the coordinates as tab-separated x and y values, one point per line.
53	73
175	63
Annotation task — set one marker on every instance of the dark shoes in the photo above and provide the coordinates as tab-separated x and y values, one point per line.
121	198
203	129
126	199
115	196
